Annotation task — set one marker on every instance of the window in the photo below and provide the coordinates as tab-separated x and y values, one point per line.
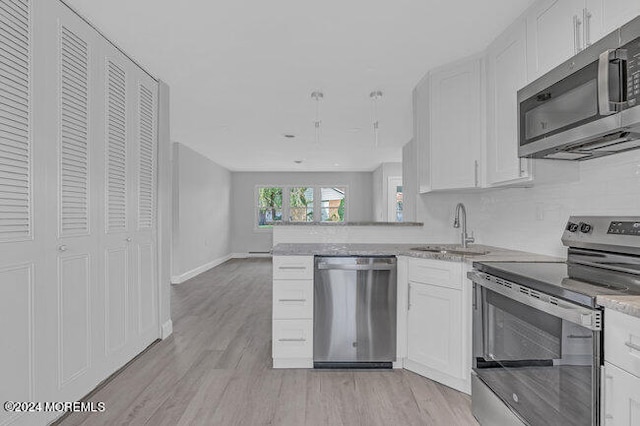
301	204
332	204
399	204
269	206
298	203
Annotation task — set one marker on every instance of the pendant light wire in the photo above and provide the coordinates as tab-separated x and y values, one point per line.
317	95
375	96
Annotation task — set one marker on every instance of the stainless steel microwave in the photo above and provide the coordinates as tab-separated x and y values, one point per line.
587	107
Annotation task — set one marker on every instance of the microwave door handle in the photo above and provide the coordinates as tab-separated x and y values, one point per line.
604	99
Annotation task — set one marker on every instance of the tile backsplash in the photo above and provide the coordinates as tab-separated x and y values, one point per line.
532	219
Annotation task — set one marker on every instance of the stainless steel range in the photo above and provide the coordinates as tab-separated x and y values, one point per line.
538	331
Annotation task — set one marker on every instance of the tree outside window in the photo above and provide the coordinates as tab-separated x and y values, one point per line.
301	204
269	206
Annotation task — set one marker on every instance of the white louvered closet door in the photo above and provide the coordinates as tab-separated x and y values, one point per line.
20	251
144	199
74	261
117	183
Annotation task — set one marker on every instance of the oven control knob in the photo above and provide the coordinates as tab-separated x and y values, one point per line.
585	228
572	227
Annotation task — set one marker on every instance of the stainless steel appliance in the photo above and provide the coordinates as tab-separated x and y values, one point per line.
588	106
537	338
354	305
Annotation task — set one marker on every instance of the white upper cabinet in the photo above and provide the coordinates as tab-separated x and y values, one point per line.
604	16
455	125
421	133
558	29
506	74
554	34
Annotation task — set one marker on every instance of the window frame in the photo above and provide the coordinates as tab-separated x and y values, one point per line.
286	193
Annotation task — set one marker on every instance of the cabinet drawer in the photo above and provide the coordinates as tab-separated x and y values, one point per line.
436	272
293	338
622	341
293	267
292	299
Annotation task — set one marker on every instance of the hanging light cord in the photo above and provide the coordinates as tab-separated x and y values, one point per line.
375	95
317	96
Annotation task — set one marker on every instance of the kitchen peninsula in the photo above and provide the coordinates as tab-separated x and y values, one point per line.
434	296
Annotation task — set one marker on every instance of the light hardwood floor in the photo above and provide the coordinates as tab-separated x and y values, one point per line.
216	370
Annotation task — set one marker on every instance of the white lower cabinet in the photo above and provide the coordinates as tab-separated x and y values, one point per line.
621	400
438	312
292	337
621	381
434	326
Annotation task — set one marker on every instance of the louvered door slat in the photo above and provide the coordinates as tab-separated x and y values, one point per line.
146	166
74	131
116	178
15	120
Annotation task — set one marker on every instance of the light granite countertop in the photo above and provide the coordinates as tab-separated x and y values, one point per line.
347	223
495	254
629	305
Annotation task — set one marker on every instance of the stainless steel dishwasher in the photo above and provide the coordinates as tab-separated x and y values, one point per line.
354	312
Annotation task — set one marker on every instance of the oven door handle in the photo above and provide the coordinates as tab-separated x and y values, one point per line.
585	317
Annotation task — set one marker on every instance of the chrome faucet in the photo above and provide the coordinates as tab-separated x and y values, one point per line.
465	239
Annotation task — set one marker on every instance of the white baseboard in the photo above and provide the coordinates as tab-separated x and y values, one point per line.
167	329
179	279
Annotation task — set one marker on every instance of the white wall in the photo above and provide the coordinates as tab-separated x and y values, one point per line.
380	179
201	213
409	181
247	239
533	219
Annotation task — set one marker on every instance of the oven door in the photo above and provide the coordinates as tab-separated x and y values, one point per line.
542	364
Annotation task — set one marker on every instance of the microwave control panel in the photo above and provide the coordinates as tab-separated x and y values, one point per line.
633	72
624	228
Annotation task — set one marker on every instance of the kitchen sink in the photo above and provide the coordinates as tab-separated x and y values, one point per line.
456	250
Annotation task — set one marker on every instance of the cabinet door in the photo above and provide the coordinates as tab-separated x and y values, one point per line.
421	134
621	400
554	34
434	337
455	125
506	74
604	16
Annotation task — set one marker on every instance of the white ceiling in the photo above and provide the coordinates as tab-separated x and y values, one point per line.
241	72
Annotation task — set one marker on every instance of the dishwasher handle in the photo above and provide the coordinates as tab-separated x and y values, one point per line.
372	267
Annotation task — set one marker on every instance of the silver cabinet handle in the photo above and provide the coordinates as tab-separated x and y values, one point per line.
62	248
475	171
576	33
292	300
292	340
573	336
586	17
632	346
292	267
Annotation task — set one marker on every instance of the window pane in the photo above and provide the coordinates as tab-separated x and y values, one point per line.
301	204
269	206
399	205
332	204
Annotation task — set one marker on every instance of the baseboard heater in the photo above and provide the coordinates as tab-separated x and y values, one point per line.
353	365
